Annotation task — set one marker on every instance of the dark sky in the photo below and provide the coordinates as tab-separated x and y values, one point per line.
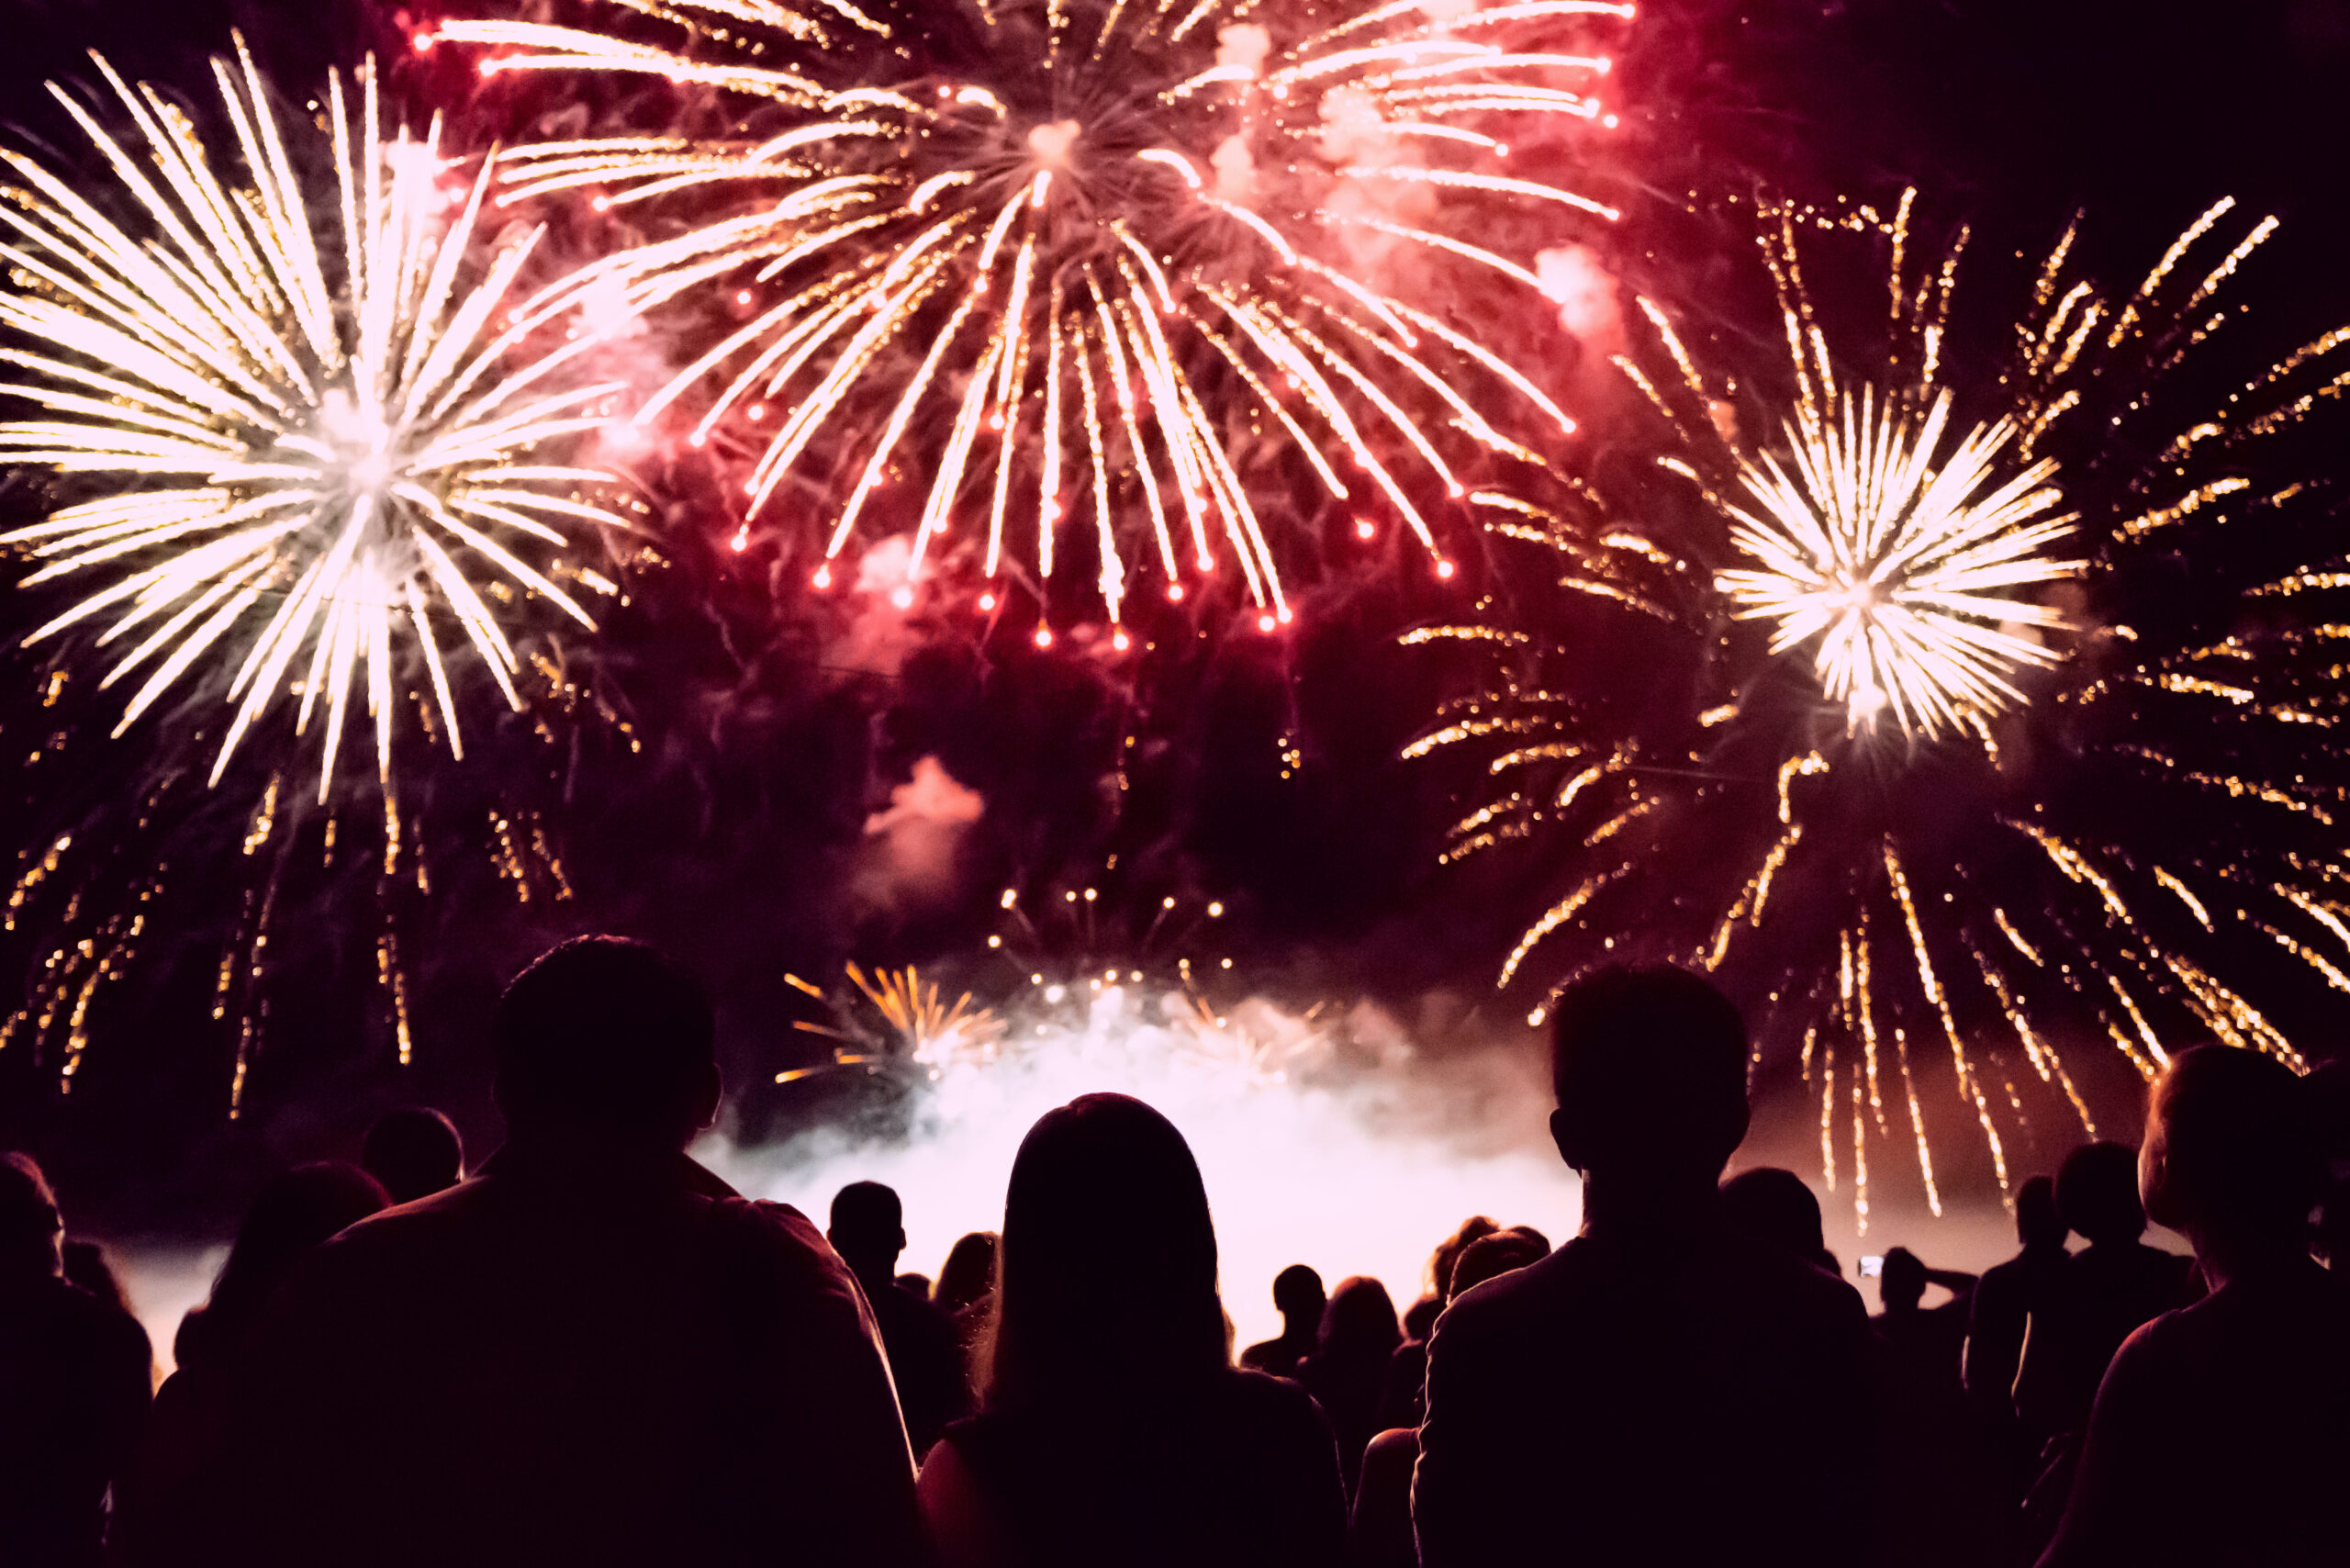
2010	112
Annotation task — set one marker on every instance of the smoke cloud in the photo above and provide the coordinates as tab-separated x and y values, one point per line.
911	860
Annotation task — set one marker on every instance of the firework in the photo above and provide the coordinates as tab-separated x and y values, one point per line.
1091	274
918	1036
2106	819
309	416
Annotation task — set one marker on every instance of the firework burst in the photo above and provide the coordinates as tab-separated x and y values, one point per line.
1093	274
2107	822
309	415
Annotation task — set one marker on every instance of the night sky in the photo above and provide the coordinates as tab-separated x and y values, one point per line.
738	839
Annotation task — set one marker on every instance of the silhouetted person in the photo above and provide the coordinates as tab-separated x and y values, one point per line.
965	1294
1491	1257
415	1152
2009	1295
73	1386
1774	1206
2101	1294
868	1232
174	1504
1297	1296
88	1268
2219	1434
1379	1534
593	1352
1946	1493
1113	1430
1401	1400
1347	1370
968	1277
1930	1338
1659	1389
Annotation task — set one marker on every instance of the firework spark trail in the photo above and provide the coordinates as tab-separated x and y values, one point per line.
313	434
2081	825
1108	239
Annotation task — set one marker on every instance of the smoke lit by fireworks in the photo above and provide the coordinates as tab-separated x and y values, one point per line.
1096	262
305	432
2107	816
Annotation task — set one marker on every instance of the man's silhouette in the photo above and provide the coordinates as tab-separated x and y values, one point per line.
1297	1295
73	1386
868	1232
1661	1389
2009	1295
593	1352
2103	1292
2219	1434
415	1152
1945	1492
1774	1207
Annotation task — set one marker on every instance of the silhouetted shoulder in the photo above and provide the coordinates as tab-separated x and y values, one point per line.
1276	1406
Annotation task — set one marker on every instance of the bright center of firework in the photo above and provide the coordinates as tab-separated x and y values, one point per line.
359	441
1051	143
1902	562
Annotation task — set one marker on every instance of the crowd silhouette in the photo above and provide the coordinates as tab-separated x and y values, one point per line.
590	1350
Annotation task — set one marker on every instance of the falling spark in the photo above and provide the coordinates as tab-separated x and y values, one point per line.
1054	281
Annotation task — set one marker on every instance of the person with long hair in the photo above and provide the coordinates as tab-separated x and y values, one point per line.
1114	1427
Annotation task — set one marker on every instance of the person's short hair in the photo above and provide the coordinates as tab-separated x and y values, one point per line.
1503	1252
605	1032
2039	1222
1774	1207
867	1215
414	1151
2097	1193
28	1215
1299	1288
1651	1063
2240	1142
1902	1278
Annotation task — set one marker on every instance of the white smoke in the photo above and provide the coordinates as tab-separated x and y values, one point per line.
1323	1138
911	861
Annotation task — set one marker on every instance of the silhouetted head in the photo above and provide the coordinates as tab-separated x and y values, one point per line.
1505	1251
1420	1318
1298	1295
415	1152
608	1041
868	1228
1774	1207
2039	1225
86	1265
1902	1285
2097	1193
2231	1155
30	1230
1448	1252
1106	1277
969	1273
1649	1067
1358	1326
290	1216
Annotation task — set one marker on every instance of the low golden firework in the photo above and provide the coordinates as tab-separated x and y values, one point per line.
312	419
1101	259
2109	815
920	1035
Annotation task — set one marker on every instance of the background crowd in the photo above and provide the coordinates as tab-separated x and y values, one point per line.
590	1350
